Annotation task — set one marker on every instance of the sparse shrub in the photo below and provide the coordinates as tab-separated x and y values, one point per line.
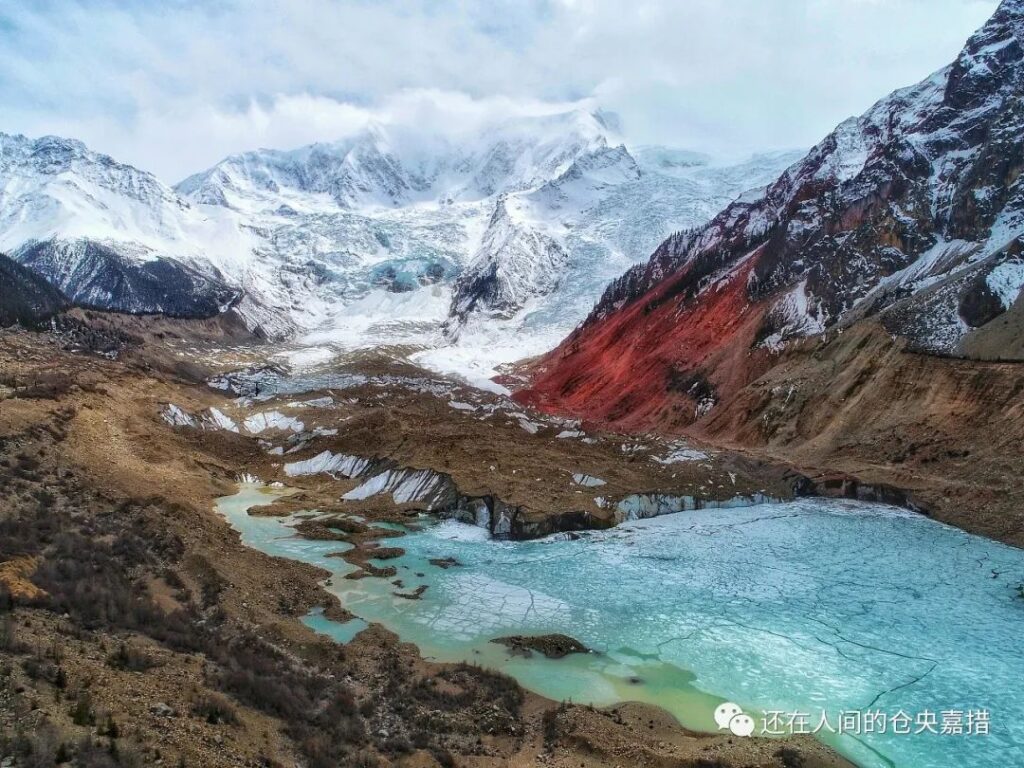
62	755
365	759
215	710
9	634
396	744
40	748
443	757
130	658
81	710
549	722
92	755
109	727
38	668
791	758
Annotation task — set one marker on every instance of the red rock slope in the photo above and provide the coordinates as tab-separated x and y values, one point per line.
908	216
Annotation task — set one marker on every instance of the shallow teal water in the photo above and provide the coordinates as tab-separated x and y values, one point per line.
802	607
342	633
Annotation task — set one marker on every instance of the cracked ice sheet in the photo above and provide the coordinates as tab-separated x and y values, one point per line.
897	612
793	607
473	605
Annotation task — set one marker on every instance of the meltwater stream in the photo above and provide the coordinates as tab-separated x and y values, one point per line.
802	608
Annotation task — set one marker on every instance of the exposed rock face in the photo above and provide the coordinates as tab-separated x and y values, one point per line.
99	276
106	234
909	213
506	521
26	298
514	263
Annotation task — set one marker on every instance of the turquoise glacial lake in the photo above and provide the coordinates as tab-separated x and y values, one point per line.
795	612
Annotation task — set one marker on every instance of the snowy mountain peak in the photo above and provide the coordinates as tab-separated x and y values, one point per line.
27	165
109	235
395	165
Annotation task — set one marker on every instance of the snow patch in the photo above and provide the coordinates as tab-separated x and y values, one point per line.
317	402
261	422
530	426
328	463
177	417
405	486
221	420
680	455
1006	280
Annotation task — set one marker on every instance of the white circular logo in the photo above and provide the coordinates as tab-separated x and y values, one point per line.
729	716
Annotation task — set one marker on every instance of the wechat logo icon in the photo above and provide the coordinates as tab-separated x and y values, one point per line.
729	716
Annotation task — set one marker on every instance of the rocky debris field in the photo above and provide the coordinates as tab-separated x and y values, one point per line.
135	629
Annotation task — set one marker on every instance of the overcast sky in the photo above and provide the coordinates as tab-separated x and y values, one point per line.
174	86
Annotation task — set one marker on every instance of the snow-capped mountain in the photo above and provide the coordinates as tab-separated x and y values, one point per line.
399	165
911	213
106	234
504	237
392	210
919	197
493	242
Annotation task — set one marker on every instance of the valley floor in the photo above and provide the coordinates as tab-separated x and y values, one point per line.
135	628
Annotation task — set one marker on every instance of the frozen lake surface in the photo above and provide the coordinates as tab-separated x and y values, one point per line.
802	608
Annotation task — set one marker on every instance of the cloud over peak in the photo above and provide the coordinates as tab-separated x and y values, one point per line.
173	87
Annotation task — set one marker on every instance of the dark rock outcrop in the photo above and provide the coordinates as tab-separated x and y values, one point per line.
97	276
25	298
553	646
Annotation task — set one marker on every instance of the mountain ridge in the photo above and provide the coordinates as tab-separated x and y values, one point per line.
910	213
861	317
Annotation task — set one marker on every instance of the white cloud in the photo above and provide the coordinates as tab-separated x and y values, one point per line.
175	87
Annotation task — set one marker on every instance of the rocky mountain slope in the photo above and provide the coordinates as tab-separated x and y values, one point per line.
26	298
909	214
854	314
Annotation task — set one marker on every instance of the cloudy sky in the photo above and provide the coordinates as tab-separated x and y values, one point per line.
174	86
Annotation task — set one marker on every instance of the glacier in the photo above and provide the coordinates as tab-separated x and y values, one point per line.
469	251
